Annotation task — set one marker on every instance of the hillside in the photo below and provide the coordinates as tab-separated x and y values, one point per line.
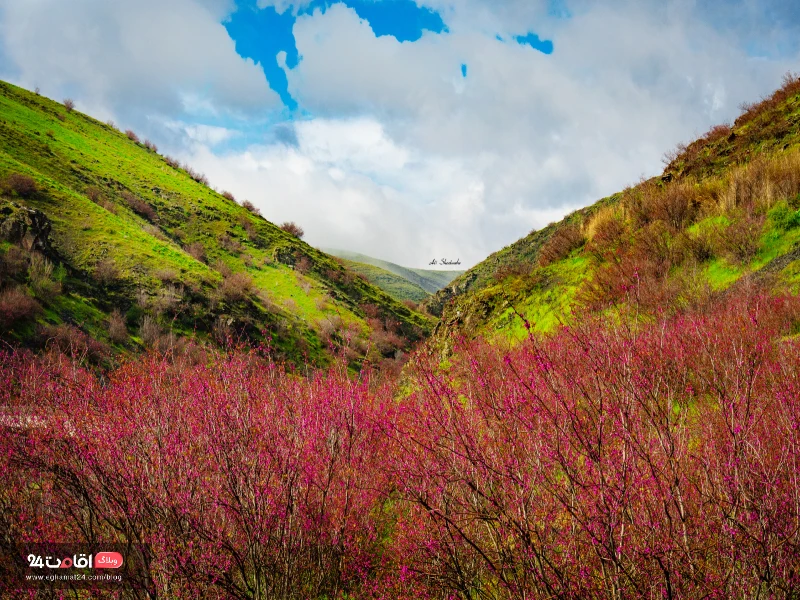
108	247
724	212
396	286
429	280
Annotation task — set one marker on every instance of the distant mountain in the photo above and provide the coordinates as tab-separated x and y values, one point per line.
429	280
396	286
106	244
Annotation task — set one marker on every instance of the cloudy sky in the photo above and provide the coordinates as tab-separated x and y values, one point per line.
408	129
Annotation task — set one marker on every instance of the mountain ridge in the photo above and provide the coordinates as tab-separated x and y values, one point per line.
139	244
724	208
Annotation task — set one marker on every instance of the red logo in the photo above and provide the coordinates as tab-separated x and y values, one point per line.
107	560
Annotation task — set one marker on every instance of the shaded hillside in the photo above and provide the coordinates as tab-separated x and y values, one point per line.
725	211
396	286
106	244
429	280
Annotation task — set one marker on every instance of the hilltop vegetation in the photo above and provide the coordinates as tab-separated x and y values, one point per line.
109	247
724	212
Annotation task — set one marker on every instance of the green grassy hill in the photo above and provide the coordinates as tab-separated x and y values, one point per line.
396	286
725	212
105	244
429	280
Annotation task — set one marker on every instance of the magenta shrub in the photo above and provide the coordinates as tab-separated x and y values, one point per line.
628	461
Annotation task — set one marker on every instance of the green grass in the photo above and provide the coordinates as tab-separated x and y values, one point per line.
720	273
546	305
68	154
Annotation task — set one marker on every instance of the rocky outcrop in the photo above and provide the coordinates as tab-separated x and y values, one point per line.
26	226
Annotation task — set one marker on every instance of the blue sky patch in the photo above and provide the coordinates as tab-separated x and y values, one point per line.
260	34
532	40
402	19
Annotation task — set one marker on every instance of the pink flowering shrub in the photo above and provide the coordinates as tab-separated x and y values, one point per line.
652	462
637	460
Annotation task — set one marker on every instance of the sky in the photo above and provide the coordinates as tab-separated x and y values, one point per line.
408	130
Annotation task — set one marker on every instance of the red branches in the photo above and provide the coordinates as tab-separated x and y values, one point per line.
626	461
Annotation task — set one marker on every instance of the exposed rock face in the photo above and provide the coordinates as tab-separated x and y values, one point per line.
285	256
26	226
435	304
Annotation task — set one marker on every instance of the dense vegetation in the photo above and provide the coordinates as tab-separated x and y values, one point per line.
606	461
622	419
109	246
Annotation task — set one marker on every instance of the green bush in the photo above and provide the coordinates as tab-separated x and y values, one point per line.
784	217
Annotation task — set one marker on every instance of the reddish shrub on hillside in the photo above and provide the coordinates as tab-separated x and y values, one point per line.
565	239
228	196
132	135
251	207
676	205
790	86
230	243
236	287
512	269
607	235
13	262
741	239
22	185
94	193
293	228
654	243
700	246
303	264
16	305
73	342
69	104
117	329
140	207
150	146
196	250
195	175
106	272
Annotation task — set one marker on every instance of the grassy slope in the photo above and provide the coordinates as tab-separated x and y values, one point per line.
396	286
67	153
491	297
429	280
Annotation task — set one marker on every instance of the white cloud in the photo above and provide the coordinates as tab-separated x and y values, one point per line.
132	58
350	186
